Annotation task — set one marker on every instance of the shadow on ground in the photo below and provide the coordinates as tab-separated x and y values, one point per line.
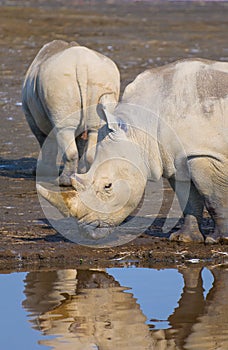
18	168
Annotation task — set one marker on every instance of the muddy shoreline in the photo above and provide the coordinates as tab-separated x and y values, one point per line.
136	36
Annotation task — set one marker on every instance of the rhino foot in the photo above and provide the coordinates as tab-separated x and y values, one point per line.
215	238
187	236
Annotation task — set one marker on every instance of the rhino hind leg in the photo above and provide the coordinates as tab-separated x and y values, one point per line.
48	146
47	166
192	205
67	145
211	178
87	154
40	136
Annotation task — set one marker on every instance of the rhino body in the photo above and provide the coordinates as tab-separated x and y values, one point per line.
61	92
172	122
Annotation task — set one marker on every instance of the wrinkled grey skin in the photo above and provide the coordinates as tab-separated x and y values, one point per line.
62	89
172	122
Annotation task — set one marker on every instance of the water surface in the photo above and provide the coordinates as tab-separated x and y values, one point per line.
125	308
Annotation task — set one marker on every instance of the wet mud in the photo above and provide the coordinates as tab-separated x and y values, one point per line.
137	36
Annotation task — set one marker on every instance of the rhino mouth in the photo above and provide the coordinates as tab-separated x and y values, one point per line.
87	220
95	230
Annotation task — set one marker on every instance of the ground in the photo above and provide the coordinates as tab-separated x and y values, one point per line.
137	36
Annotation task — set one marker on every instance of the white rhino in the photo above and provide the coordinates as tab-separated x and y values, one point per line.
171	122
61	92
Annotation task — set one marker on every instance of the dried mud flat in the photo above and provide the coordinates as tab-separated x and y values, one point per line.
137	36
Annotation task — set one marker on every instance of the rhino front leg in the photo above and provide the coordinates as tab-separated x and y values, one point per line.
192	205
210	176
67	145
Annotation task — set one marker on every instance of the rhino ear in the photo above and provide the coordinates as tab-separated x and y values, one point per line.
111	120
114	123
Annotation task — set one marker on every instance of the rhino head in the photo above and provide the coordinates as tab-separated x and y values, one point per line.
114	184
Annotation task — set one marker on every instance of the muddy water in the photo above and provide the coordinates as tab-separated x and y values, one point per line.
128	308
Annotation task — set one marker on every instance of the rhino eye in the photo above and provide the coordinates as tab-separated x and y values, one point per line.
108	186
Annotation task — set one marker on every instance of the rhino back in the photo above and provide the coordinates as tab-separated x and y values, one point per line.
78	76
49	50
190	100
64	78
32	101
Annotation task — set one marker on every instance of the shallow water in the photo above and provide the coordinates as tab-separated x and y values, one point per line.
125	308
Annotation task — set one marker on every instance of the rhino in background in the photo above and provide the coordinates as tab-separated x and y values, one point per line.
61	92
171	122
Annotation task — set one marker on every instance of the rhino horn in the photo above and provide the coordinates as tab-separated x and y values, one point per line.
78	181
60	200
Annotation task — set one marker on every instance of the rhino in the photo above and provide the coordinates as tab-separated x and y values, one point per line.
172	122
61	92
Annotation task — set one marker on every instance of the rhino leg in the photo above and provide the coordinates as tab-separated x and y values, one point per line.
211	178
91	146
33	126
191	304
49	149
89	151
220	216
67	144
192	205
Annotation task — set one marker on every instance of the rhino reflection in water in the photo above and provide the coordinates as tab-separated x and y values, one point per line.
172	122
86	310
89	310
